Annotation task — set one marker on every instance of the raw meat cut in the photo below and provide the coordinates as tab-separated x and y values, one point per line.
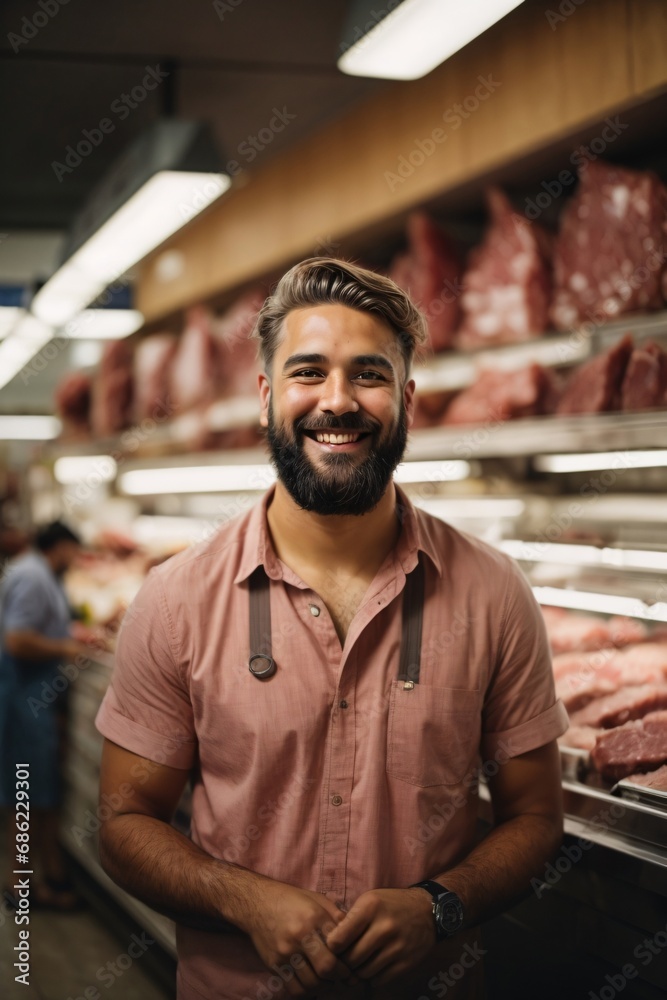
625	631
578	632
595	386
497	396
585	664
194	377
579	737
641	744
430	272
645	382
72	400
577	690
111	407
654	779
153	358
572	632
608	257
606	671
507	285
239	363
627	703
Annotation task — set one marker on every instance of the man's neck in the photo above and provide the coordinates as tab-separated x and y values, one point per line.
354	544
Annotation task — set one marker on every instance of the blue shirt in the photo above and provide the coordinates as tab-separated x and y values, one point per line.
32	599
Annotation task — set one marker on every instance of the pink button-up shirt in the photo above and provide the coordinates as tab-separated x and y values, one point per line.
331	775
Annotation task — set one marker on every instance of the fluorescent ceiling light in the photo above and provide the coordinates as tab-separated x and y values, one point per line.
21	428
140	225
607	604
585	555
432	472
78	468
9	317
415	36
471	507
104	324
197	479
594	461
16	350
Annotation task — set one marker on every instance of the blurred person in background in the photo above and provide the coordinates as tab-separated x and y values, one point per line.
34	641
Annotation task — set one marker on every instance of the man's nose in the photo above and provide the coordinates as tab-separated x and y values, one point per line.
338	394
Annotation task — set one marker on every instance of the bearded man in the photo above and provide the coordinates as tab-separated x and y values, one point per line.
333	670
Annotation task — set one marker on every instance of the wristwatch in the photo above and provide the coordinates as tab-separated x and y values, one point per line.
447	909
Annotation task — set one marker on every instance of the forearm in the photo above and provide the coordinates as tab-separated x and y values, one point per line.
33	646
497	873
154	862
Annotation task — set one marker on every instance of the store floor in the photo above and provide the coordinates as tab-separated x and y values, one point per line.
86	955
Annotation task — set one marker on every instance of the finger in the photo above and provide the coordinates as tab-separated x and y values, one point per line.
350	928
327	965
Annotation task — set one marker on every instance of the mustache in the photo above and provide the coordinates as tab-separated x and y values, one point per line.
345	422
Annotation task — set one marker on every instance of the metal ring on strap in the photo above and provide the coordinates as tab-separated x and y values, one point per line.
268	671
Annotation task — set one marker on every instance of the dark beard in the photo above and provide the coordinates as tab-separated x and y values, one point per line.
346	485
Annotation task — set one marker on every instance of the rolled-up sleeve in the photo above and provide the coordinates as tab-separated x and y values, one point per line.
147	707
521	711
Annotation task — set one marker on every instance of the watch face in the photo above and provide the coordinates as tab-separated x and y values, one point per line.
449	913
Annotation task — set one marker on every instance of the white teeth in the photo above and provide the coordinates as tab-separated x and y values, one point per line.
324	437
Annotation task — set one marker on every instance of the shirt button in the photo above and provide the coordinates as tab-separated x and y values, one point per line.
343	703
314	610
336	800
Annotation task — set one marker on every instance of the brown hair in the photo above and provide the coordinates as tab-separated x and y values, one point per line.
324	280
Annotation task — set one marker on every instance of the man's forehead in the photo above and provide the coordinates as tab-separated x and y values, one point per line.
339	325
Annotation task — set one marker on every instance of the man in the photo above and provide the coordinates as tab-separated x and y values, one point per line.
35	640
332	667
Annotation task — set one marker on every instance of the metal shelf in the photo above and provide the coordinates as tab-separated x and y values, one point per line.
542	435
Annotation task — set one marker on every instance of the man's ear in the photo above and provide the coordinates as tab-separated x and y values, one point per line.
409	400
264	396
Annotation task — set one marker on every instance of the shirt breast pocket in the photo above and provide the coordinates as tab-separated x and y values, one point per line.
433	734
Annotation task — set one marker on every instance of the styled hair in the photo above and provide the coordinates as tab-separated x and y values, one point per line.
327	281
50	535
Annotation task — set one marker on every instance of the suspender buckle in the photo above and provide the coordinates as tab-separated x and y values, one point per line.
259	671
408	685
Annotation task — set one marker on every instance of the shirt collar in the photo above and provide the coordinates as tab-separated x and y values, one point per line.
258	549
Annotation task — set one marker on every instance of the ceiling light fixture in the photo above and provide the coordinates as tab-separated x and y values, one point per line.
165	178
104	324
597	461
22	428
196	479
408	39
606	604
22	344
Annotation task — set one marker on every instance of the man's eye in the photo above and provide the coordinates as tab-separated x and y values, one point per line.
307	372
371	376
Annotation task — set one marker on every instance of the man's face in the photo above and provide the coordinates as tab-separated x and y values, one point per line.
63	555
336	409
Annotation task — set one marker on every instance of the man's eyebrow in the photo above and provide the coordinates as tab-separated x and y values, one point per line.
374	360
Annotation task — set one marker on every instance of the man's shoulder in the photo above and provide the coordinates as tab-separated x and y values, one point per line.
462	553
218	553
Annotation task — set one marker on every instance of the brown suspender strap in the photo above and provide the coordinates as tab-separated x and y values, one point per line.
413	615
261	662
